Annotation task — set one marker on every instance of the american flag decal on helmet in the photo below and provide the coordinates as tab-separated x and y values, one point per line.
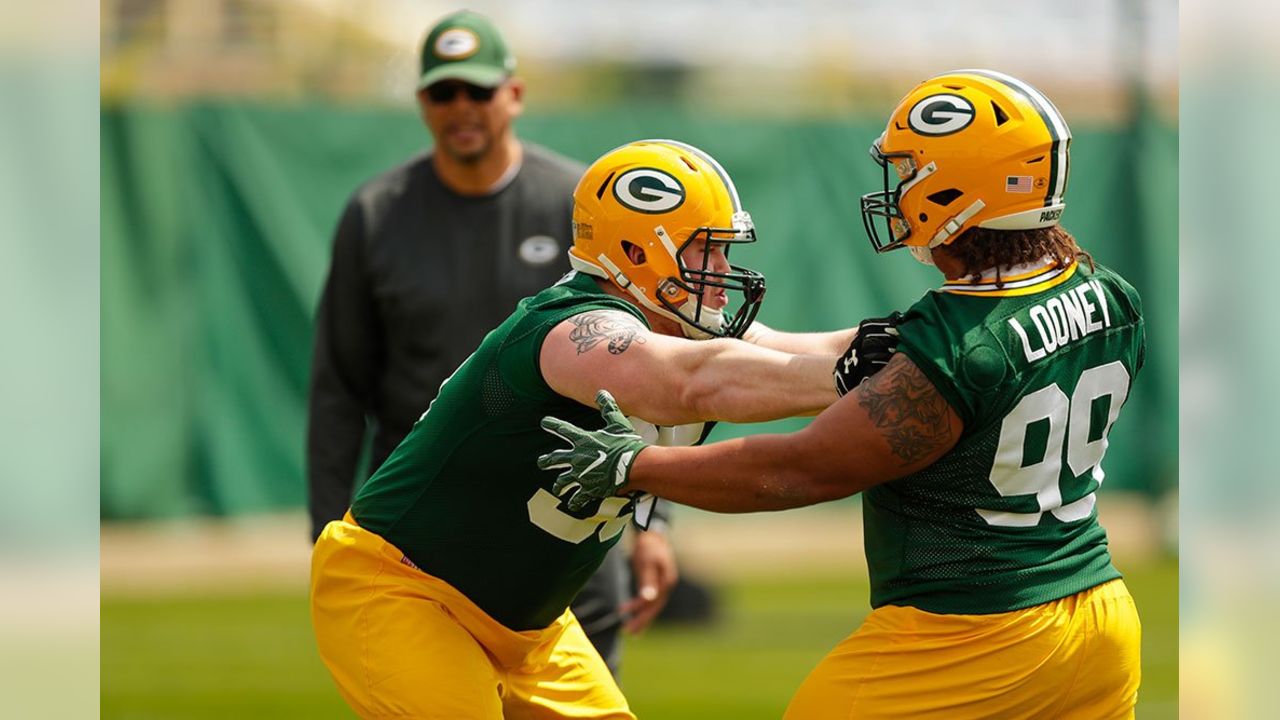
1017	184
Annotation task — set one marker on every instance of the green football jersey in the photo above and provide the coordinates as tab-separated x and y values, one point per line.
1038	369
462	495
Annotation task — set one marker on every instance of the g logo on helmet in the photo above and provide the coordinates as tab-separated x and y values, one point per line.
648	190
940	115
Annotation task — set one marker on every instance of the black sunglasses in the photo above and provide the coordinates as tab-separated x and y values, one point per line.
445	91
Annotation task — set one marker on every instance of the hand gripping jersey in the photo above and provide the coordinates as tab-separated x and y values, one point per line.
462	496
1038	370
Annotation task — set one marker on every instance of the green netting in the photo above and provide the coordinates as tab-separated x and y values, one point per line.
216	222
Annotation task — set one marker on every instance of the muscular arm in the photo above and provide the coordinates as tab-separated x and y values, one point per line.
892	425
672	381
818	343
343	364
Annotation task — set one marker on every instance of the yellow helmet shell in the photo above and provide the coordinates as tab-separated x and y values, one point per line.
969	148
660	195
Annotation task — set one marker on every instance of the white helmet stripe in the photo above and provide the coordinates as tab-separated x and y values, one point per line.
724	176
1055	123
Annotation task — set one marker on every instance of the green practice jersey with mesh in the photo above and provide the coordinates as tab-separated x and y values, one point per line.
462	496
1038	369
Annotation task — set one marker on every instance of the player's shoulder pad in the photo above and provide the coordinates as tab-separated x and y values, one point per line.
972	357
982	365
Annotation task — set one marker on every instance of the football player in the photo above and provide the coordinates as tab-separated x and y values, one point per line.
978	448
428	257
444	591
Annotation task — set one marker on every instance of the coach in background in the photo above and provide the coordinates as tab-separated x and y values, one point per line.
427	258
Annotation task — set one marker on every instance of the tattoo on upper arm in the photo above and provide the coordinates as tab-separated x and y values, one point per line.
913	416
592	328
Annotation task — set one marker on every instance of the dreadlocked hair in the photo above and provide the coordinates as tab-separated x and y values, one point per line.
979	249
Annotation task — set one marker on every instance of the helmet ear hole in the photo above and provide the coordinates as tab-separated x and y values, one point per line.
945	197
634	252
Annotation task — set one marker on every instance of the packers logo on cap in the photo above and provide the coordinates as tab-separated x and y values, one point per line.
456	44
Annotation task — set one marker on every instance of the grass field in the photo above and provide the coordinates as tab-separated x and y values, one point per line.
249	657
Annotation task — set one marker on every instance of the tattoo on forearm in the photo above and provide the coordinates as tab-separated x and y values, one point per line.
592	328
914	418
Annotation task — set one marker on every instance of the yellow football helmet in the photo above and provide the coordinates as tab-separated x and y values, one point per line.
662	196
969	148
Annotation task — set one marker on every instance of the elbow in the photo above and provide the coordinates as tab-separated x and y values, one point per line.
674	402
705	392
826	489
706	395
820	486
696	388
677	404
688	393
698	398
817	473
791	487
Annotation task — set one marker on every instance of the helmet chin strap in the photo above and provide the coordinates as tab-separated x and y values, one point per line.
923	254
711	317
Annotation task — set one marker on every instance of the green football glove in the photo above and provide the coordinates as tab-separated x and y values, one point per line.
598	462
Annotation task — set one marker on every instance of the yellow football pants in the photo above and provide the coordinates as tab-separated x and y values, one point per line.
403	644
1075	658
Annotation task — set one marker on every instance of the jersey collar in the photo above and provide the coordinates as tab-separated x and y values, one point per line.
508	177
1025	279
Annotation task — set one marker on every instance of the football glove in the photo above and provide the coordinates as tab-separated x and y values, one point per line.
598	462
871	349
